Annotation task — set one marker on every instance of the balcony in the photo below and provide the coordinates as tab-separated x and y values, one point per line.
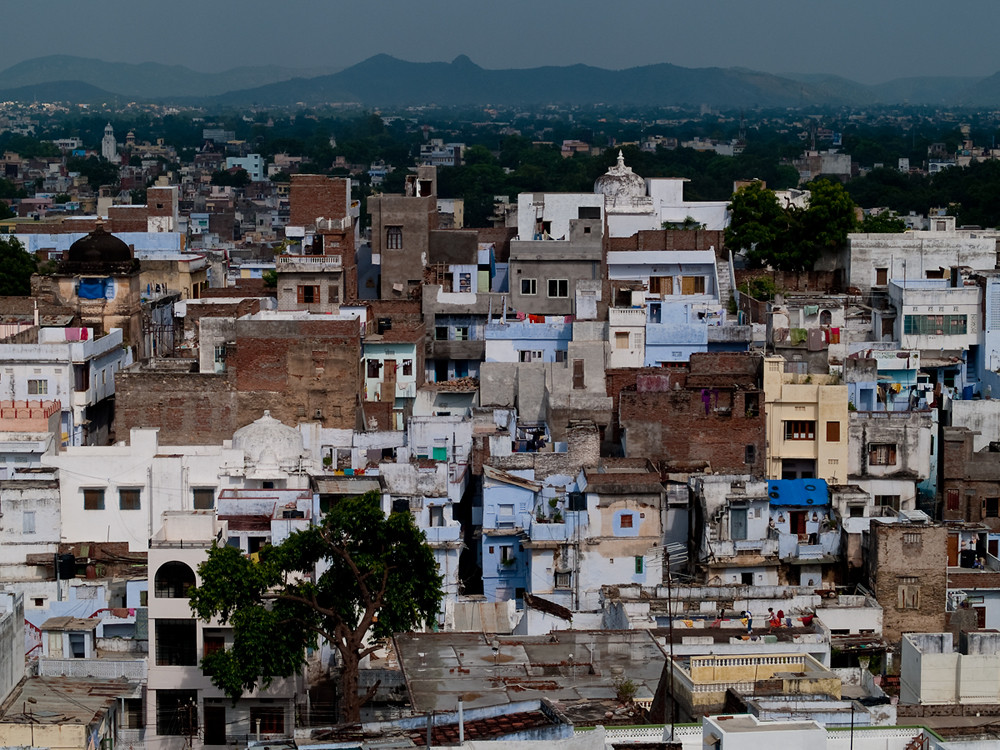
548	532
755	547
443	534
310	263
626	316
133	670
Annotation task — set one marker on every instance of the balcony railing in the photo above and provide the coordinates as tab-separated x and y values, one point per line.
627	316
104	669
325	261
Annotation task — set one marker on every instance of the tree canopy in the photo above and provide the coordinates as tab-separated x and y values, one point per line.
789	238
356	577
16	267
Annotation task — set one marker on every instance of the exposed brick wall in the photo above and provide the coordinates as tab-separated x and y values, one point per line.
313	196
127	219
677	427
893	561
670	239
296	368
967	479
189	408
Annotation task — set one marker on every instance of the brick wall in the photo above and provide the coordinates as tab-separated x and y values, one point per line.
297	368
189	408
677	427
314	196
902	555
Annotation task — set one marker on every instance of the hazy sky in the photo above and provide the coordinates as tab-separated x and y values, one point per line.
867	40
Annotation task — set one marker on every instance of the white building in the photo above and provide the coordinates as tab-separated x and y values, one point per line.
118	492
109	146
180	697
70	365
253	164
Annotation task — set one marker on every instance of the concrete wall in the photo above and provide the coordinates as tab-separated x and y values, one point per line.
11	642
919	251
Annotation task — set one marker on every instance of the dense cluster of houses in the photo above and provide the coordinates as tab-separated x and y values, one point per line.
652	498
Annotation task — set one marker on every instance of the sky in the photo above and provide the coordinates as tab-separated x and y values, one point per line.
866	40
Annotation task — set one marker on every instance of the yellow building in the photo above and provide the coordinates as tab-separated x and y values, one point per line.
806	423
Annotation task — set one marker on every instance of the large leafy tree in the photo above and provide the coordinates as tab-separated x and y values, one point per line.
16	267
789	238
758	224
357	577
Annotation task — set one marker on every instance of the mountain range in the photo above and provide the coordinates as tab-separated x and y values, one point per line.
385	81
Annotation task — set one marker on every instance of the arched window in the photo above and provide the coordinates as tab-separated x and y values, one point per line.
825	318
173	579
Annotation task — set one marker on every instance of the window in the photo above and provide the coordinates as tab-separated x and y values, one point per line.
833	432
578	380
626	521
373	367
128	498
662	285
800	429
750	454
881	276
393	238
560	355
564	580
951	499
175	643
529	286
621	339
333	294
888	501
38	387
93	499
639	564
530	355
912	538
28	522
437	515
461	333
507	554
692	284
935	325
271	718
991	508
177	712
441	333
882	454
505	514
908	593
203	498
407	367
308	295
559	288
577	501
172	580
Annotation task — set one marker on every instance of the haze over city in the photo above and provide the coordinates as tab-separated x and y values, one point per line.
867	42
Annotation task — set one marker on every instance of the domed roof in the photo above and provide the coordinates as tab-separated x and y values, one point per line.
268	441
620	183
99	247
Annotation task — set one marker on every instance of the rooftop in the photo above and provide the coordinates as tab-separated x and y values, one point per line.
574	670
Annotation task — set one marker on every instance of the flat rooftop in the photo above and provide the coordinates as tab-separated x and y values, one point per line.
574	670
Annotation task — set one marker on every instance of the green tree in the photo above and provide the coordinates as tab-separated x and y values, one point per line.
379	578
828	219
97	171
758	225
232	178
16	267
885	222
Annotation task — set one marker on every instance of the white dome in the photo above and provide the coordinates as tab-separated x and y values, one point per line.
620	184
269	439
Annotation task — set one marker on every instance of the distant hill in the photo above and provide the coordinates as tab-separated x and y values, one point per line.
73	92
143	80
386	81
